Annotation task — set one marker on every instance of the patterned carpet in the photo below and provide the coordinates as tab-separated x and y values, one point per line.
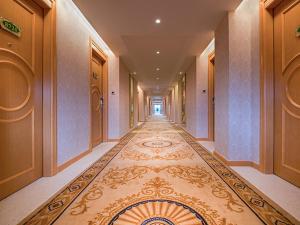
158	175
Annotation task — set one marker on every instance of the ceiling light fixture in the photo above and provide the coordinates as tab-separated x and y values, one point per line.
180	73
157	21
158	52
134	73
157	69
157	78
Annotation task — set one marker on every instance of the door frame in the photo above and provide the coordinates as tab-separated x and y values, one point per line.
49	88
266	158
94	48
211	89
131	101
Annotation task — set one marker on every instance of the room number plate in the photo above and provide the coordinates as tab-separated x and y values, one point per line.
10	27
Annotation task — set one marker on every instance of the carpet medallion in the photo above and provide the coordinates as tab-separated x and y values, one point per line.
158	175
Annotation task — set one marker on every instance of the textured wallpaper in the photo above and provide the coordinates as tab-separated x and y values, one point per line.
124	99
141	98
221	87
191	99
201	97
73	115
237	83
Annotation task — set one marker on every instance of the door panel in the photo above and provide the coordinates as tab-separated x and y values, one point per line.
287	91
97	97
20	96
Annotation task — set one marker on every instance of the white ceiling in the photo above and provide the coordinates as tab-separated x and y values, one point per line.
129	29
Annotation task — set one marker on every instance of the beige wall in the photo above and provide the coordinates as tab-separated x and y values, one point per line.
201	96
237	83
73	116
147	106
124	118
178	101
172	105
124	99
141	105
221	86
167	110
190	103
176	104
73	106
135	102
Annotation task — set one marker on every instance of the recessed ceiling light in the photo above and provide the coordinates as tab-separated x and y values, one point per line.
134	73
158	52
157	21
157	69
180	73
157	78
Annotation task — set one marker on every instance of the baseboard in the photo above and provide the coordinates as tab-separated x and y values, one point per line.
73	160
131	129
113	140
222	158
235	162
196	138
203	139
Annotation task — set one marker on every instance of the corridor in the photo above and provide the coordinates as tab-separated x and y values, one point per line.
150	112
158	174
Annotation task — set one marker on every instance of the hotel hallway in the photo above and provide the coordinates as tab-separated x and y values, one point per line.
158	174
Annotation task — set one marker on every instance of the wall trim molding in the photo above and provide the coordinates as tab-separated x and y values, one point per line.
113	140
266	85
49	90
203	139
235	162
221	157
89	150
184	128
46	4
130	130
270	4
210	93
73	160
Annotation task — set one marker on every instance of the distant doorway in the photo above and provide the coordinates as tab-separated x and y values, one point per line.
211	96
157	109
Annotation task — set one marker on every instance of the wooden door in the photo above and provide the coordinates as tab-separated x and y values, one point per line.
20	95
211	96
287	91
97	100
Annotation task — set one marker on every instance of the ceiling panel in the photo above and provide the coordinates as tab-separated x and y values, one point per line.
129	29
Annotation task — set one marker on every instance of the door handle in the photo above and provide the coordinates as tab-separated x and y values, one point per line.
95	76
101	102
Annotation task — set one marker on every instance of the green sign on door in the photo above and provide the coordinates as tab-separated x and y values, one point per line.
298	32
10	27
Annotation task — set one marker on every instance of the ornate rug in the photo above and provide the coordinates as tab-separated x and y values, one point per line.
158	175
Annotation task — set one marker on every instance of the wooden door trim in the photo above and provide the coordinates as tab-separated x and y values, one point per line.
267	85
100	53
49	88
46	4
270	4
131	101
211	57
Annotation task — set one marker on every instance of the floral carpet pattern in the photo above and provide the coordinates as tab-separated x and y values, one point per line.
158	175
